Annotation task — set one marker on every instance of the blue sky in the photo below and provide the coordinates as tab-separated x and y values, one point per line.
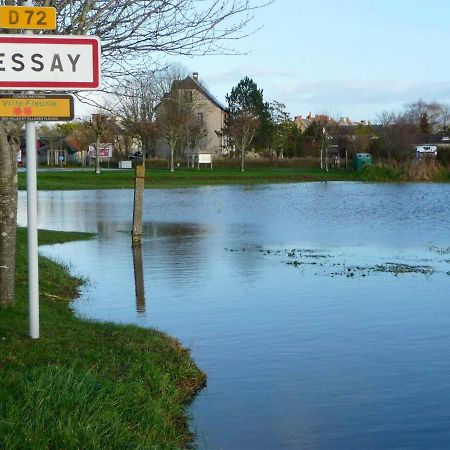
340	57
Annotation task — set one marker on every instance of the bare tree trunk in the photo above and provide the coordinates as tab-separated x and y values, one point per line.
97	155
171	158
242	160
8	216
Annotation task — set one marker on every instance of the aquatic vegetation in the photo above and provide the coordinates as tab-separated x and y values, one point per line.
439	250
397	268
326	264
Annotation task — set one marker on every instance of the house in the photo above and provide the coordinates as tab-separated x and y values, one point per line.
342	124
303	122
196	115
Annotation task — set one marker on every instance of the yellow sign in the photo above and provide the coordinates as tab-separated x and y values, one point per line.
28	17
36	107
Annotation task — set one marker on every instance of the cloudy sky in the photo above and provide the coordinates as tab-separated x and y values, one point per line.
352	58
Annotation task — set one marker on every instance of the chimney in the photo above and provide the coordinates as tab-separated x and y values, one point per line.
195	77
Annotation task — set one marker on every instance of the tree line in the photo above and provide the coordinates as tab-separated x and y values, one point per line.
251	124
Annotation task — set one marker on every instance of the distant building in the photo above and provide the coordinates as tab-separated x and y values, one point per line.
206	114
304	122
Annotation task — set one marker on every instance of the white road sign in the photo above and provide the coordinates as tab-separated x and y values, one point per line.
49	62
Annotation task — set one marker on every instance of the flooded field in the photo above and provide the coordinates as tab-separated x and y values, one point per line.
319	311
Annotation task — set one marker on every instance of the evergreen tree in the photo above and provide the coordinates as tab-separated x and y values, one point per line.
246	100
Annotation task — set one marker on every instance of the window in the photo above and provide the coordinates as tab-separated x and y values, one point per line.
200	118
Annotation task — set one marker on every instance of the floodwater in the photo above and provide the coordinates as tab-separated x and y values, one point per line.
319	311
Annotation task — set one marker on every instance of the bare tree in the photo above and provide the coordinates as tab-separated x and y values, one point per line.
240	131
444	118
420	112
130	30
172	122
177	124
397	135
321	129
137	111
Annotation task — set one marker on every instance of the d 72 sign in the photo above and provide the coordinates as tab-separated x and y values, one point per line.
29	18
49	63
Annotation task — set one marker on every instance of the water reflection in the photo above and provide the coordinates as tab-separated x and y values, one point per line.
138	277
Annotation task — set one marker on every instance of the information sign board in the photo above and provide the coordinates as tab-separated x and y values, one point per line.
204	158
36	107
49	62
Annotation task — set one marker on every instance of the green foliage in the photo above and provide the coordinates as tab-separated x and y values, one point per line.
318	132
247	108
288	140
443	156
363	129
424	123
246	98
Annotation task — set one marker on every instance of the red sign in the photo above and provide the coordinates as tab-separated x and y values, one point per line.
49	62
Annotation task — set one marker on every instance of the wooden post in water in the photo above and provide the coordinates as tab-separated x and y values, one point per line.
136	231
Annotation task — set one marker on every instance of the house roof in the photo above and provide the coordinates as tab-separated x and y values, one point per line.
437	138
69	143
190	83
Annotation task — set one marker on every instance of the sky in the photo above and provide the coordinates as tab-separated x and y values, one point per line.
345	58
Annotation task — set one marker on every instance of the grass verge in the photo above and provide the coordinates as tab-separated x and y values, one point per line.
86	384
162	178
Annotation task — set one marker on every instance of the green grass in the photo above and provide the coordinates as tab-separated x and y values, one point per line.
162	178
84	384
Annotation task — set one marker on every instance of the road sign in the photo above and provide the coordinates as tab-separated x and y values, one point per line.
36	107
105	150
28	17
49	63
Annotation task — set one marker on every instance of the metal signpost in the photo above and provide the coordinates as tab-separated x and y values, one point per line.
49	63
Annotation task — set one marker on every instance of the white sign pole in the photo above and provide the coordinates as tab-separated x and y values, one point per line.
33	264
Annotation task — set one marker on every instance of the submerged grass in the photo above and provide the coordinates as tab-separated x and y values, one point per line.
85	384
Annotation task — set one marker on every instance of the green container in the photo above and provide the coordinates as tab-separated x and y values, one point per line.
362	159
